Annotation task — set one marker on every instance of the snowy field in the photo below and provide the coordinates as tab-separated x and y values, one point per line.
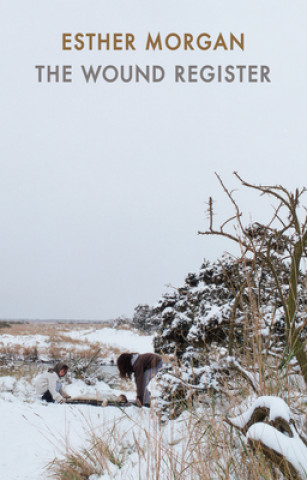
132	442
34	433
72	337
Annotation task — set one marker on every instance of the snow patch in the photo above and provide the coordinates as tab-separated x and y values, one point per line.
293	449
277	407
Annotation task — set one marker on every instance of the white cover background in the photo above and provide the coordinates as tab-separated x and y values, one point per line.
103	187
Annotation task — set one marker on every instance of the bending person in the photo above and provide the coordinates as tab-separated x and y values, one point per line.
49	386
144	366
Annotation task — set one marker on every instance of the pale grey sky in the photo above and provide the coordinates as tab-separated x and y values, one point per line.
103	186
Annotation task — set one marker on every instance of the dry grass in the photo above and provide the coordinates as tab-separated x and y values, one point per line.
49	329
206	448
80	465
60	343
24	371
198	446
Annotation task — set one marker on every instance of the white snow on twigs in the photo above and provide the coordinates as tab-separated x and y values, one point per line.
252	378
277	407
293	449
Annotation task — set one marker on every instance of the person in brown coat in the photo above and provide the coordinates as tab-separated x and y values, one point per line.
144	366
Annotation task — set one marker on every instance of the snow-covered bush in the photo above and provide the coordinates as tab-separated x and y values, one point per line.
231	306
208	309
145	319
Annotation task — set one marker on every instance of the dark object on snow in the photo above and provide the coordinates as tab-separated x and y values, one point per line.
121	402
48	397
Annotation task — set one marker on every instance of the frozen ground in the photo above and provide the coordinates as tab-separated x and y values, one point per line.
125	340
34	433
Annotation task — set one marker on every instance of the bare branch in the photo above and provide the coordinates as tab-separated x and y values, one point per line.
229	194
227	221
210	210
268	189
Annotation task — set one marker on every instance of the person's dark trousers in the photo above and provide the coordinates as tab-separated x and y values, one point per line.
48	397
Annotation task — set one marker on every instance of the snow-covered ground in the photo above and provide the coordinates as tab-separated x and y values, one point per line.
125	340
33	433
26	341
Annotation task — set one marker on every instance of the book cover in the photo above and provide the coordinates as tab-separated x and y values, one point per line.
127	129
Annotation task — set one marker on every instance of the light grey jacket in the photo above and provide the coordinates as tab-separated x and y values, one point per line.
50	381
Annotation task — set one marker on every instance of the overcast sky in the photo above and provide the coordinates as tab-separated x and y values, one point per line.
103	187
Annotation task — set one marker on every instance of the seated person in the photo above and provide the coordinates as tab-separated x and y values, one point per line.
49	386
